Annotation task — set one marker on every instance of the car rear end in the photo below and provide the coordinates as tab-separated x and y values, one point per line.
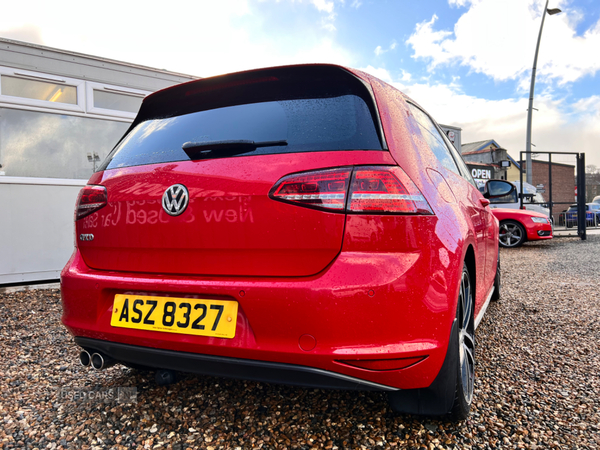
256	225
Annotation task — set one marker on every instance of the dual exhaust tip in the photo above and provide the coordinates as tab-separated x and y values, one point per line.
97	360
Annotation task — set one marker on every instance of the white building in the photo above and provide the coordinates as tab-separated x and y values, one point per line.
61	113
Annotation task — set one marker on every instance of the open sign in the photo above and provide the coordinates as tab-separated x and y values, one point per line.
485	174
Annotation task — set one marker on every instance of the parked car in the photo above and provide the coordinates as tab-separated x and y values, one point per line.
592	215
532	199
309	225
519	225
596	199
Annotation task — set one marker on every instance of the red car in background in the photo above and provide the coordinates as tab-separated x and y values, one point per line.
308	225
519	225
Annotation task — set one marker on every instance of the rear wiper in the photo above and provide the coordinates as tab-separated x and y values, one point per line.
210	149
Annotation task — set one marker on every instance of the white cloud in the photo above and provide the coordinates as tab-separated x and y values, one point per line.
498	39
428	43
210	39
323	5
458	3
328	22
590	105
378	72
379	50
356	4
26	33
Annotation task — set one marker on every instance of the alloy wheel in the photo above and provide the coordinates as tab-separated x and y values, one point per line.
511	234
466	339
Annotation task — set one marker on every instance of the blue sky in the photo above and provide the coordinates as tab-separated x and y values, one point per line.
468	62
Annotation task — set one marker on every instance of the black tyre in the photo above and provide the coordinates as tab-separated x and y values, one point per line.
497	280
512	234
466	348
451	393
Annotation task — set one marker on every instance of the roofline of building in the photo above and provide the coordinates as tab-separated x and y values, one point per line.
514	161
450	126
481	147
487	143
476	152
92	57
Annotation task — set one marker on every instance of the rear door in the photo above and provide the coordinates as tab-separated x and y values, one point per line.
224	144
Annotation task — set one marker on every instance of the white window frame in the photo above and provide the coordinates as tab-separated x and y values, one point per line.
92	86
37	76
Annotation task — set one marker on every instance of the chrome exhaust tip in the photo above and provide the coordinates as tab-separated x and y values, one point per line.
85	358
100	361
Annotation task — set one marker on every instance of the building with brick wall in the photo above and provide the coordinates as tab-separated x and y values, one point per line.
563	182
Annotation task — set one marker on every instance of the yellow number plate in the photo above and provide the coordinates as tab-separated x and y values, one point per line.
175	315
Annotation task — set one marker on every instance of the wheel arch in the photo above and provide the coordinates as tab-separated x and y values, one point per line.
512	220
471	263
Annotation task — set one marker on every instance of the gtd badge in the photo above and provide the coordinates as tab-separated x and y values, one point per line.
175	199
86	237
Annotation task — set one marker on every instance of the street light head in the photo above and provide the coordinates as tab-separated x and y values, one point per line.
553	11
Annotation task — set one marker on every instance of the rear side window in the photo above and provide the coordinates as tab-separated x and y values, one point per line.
434	139
293	116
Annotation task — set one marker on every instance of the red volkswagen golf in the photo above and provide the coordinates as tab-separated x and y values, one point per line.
307	225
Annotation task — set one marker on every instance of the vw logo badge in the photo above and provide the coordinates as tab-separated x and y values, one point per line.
175	199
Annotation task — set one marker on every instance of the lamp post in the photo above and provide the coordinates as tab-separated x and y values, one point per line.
551	12
93	157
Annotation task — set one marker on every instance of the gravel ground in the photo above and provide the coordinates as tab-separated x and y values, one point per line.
537	383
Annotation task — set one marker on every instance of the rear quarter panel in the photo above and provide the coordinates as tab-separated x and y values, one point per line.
462	223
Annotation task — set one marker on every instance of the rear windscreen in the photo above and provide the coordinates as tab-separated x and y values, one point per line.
321	117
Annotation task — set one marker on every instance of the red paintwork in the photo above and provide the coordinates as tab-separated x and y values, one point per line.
523	216
231	226
364	286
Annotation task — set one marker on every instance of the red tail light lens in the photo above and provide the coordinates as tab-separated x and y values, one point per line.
383	189
91	199
368	189
323	189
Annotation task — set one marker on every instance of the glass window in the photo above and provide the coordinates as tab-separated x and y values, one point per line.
312	124
116	101
510	198
38	90
36	144
434	139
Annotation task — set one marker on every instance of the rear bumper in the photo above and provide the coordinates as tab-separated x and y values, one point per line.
245	369
376	306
